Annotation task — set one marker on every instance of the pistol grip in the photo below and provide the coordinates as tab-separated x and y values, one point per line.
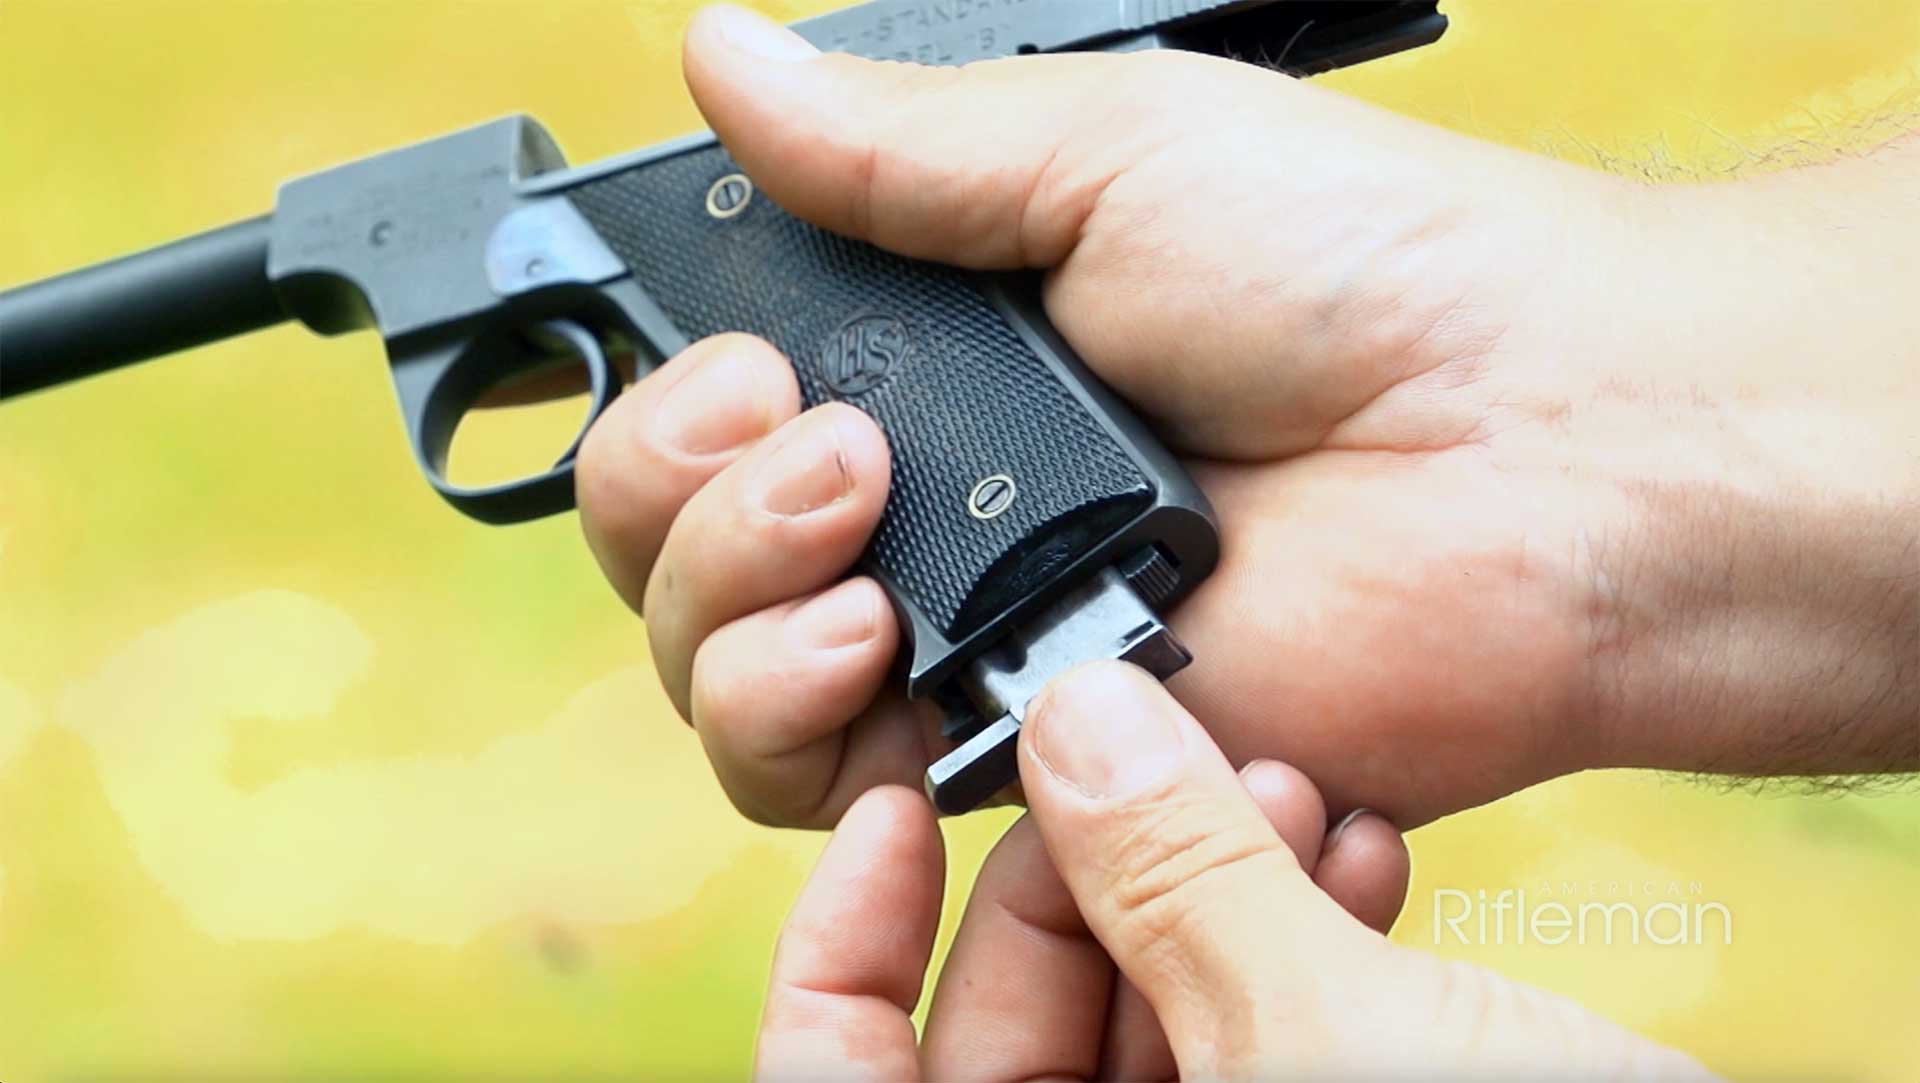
1016	475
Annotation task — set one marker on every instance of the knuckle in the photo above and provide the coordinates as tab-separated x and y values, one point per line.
737	674
797	805
734	706
1481	1010
590	465
741	711
601	477
621	482
750	803
904	91
904	174
758	803
1167	864
1463	1000
672	682
712	695
772	373
751	808
663	599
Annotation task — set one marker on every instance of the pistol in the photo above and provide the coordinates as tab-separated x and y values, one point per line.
1034	523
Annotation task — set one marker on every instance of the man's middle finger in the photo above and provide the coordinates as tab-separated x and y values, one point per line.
787	518
667	436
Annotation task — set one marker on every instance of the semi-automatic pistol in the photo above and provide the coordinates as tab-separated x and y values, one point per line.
1034	523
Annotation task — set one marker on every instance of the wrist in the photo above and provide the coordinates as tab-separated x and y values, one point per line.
1756	633
1754	599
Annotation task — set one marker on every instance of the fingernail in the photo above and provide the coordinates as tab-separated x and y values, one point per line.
716	407
760	36
1106	730
806	471
1340	828
841	617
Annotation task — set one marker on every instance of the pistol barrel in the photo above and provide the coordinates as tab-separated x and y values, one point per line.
206	287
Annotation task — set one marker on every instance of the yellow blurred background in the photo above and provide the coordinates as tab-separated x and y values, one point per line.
301	774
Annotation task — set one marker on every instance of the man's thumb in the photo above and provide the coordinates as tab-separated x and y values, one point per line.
1198	900
992	165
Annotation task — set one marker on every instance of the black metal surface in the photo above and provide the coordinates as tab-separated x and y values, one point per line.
204	288
1307	37
1018	477
1298	36
960	396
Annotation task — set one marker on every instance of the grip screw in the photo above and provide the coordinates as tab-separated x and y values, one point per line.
729	195
991	496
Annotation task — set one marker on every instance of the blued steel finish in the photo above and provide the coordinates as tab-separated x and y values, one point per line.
1029	505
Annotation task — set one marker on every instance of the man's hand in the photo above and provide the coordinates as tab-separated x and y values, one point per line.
1520	469
1027	991
1236	958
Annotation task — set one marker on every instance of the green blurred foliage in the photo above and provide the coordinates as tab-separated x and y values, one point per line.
301	774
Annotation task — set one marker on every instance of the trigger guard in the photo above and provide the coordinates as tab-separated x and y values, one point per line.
603	384
437	380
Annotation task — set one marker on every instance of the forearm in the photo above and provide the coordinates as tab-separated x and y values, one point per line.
1760	635
1760	611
